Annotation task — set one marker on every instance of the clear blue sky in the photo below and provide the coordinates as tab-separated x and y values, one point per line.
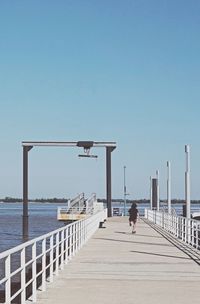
110	70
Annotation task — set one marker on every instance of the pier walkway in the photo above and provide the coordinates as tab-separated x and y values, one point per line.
117	267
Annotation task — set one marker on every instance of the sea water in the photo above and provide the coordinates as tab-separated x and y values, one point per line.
43	219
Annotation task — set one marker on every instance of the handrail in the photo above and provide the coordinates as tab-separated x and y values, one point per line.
80	206
78	200
75	210
91	200
43	257
173	210
187	230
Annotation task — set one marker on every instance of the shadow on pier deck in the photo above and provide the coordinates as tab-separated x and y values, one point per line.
118	267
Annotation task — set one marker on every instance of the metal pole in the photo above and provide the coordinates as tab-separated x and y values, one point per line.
124	190
158	194
108	180
25	191
151	204
187	181
169	186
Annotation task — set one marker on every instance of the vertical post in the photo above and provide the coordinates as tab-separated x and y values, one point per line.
44	264
154	193
51	259
151	204
25	191
34	273
158	192
8	279
23	275
124	190
108	179
169	186
187	181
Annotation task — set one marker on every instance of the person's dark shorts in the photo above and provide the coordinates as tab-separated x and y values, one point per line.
132	220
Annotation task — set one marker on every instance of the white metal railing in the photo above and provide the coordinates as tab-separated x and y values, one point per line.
90	201
37	261
80	206
74	210
77	201
165	209
187	230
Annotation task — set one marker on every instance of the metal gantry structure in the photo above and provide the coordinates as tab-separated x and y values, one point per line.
86	145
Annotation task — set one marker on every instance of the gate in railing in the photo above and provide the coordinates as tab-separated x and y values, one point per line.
188	230
29	266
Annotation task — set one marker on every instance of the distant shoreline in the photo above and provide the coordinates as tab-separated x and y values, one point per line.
63	200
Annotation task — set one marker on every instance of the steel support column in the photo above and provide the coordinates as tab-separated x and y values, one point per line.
158	191
151	194
108	180
26	149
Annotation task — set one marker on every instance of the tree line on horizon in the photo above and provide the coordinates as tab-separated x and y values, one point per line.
9	199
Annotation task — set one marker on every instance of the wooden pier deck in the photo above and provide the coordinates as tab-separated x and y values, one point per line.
117	267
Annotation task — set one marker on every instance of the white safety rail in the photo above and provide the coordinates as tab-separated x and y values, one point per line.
74	210
89	204
78	209
77	202
187	230
40	259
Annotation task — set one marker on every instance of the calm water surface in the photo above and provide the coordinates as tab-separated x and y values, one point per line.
42	219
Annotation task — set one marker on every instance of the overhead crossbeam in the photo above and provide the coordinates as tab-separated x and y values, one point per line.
69	144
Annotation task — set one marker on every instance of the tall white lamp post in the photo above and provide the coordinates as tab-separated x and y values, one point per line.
187	181
158	192
125	193
124	190
169	186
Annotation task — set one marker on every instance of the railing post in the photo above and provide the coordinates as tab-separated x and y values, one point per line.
43	265
182	228
34	272
70	242
189	231
185	240
178	235
51	260
192	233
197	237
8	280
163	219
62	250
76	236
23	276
57	254
177	226
66	241
79	235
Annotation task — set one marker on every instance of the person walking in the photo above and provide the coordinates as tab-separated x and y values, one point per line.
133	214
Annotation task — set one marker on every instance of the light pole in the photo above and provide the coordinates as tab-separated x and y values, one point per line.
187	181
125	190
158	192
169	186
